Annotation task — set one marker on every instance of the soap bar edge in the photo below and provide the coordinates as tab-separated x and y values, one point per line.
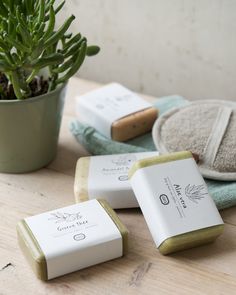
119	224
217	231
159	160
81	179
131	120
35	255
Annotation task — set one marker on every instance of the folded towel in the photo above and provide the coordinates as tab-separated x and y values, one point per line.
223	193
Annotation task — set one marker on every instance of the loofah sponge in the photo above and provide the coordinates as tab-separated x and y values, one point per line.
207	128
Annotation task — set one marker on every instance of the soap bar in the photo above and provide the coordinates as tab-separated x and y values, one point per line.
175	202
116	112
72	238
107	177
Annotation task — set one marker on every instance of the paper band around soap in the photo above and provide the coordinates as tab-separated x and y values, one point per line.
175	202
107	177
56	242
205	128
109	110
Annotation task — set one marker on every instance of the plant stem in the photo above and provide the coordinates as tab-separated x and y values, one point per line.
16	86
32	76
53	83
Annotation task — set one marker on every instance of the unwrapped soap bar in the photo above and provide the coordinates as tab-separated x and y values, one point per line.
107	177
71	238
116	112
175	202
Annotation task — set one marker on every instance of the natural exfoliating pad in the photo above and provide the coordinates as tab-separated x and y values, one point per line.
175	202
116	112
207	128
71	238
107	177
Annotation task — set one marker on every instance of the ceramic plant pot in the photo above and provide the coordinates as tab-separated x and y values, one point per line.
29	131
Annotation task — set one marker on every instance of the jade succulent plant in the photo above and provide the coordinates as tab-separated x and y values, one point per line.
30	44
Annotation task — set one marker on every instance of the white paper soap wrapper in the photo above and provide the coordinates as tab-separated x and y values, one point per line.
102	107
175	202
107	177
72	238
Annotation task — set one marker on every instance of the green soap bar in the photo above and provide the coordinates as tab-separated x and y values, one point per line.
164	196
36	257
32	250
191	239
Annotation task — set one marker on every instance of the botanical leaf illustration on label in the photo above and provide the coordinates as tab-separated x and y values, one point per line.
195	192
124	98
65	217
124	160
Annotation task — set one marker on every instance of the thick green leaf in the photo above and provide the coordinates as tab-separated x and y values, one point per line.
56	10
72	41
74	48
55	58
18	45
3	10
51	24
92	50
26	37
66	65
77	64
41	12
58	35
4	66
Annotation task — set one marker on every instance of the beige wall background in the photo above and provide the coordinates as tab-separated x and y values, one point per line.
161	47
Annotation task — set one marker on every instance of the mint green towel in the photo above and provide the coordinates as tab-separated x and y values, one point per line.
223	193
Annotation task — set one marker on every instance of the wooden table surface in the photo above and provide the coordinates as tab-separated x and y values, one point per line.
208	269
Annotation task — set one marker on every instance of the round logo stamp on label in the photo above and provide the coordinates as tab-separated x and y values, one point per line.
123	177
79	237
164	199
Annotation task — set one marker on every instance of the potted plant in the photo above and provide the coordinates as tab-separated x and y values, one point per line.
36	61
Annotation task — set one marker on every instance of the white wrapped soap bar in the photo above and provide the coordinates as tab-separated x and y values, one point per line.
71	238
106	177
116	112
175	202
